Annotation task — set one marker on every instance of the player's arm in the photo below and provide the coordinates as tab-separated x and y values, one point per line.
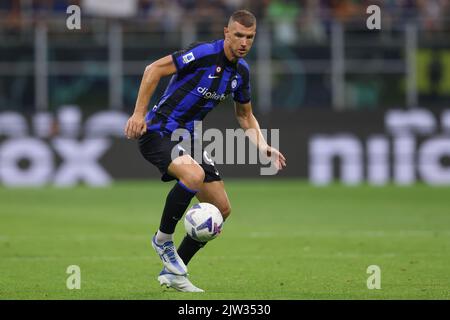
247	120
136	125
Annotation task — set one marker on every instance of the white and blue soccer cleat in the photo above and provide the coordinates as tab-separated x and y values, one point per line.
170	258
177	282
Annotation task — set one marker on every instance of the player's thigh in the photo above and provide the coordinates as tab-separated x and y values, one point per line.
188	171
214	192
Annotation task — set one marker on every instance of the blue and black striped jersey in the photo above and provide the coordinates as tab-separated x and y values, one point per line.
204	77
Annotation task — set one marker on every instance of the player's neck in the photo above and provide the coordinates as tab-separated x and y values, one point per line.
228	54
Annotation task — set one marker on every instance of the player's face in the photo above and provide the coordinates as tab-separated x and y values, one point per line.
239	38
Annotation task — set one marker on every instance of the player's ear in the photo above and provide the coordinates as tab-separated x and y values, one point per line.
225	31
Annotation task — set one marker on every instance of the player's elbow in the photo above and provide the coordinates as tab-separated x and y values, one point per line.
243	114
244	120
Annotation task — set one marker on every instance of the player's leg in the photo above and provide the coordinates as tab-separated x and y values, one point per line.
212	192
190	178
157	149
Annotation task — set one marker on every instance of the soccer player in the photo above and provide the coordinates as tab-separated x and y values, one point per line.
202	76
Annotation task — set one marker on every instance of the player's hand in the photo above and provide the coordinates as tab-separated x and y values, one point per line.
135	127
280	160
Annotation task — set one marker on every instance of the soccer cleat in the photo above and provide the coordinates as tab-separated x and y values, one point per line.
177	282
170	258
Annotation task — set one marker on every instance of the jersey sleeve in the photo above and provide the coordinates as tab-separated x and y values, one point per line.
186	59
243	92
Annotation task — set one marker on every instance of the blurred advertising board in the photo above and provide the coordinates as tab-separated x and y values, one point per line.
398	146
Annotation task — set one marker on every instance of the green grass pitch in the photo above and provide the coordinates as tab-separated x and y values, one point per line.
284	240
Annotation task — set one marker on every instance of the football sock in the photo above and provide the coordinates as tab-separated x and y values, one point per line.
188	248
162	237
177	202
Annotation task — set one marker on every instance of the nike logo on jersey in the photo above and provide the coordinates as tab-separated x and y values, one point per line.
212	77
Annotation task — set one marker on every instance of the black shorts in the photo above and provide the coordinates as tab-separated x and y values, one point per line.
157	148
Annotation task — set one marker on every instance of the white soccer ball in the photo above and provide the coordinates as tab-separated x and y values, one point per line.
203	222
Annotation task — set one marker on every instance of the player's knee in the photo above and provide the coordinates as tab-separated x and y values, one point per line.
225	211
194	179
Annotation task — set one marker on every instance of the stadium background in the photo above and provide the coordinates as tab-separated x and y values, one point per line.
355	107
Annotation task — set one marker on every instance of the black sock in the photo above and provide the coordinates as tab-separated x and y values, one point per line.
188	248
177	202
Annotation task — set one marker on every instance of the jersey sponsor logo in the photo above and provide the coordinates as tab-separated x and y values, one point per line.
210	95
233	84
188	57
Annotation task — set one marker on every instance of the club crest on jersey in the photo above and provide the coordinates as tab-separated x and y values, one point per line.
188	57
218	69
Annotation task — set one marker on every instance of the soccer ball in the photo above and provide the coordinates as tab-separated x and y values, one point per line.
203	222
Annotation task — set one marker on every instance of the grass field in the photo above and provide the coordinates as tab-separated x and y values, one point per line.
284	240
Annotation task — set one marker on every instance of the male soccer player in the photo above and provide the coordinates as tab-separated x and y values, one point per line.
203	75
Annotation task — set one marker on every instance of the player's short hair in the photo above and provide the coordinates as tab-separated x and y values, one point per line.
244	17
